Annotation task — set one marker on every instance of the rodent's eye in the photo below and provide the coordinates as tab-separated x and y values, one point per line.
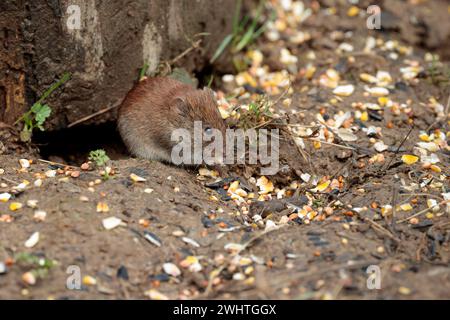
208	130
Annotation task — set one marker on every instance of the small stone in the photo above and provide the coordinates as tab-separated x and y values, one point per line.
122	273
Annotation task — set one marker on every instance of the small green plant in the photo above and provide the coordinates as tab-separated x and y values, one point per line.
99	157
244	32
257	114
438	73
143	71
39	112
39	266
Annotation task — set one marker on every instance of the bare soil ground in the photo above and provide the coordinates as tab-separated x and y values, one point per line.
218	247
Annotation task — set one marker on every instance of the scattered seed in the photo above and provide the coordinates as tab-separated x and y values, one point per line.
171	269
39	215
14	206
409	159
102	207
111	223
3	269
29	278
152	238
32	240
32	203
344	91
191	242
4	197
404	290
24	163
155	295
89	281
136	178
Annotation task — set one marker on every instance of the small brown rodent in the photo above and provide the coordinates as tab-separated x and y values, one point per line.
156	107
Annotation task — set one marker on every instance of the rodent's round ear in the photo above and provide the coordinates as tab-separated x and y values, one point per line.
181	105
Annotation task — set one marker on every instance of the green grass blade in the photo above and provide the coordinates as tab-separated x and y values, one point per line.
225	42
237	15
54	86
143	71
246	39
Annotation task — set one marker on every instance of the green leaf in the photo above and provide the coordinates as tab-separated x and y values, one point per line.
42	114
99	157
35	108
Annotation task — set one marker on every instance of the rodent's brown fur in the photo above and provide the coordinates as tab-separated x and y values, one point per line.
157	106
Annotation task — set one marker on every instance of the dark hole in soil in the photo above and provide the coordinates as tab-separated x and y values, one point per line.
72	146
204	75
